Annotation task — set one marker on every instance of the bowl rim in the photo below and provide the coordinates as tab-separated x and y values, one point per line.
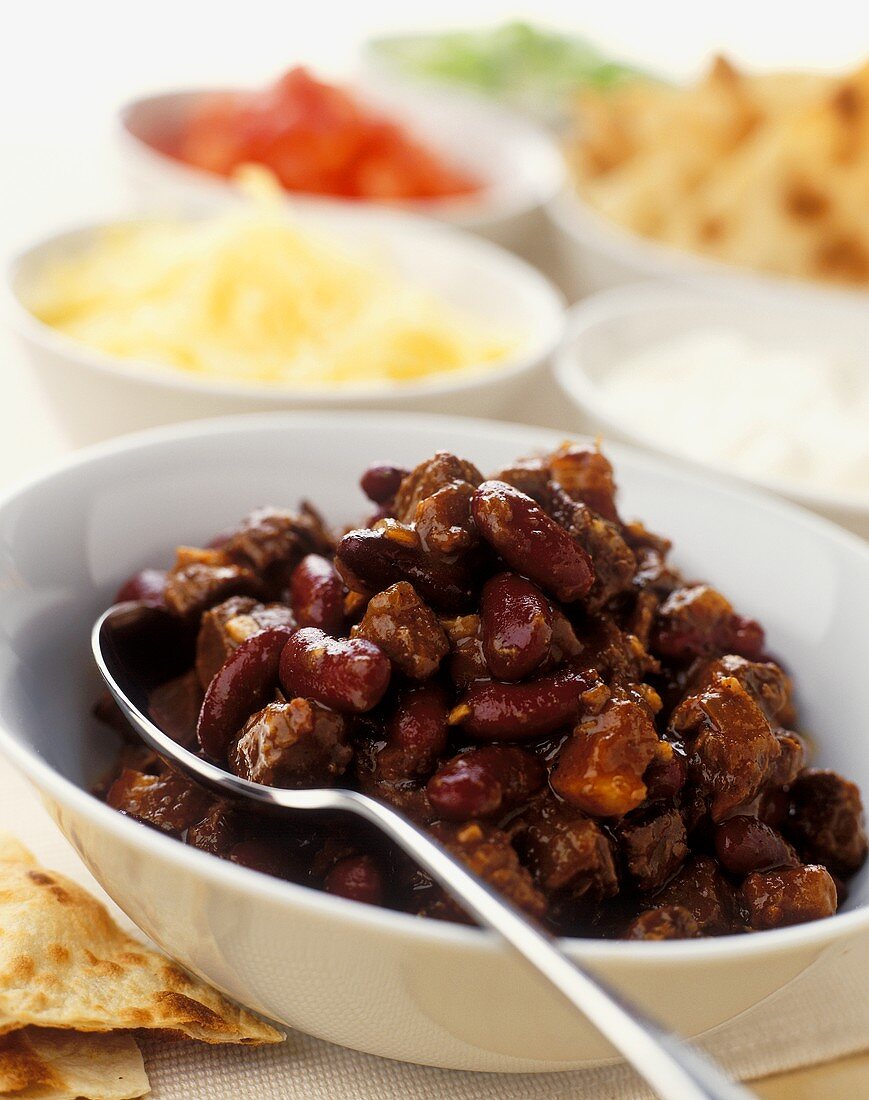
591	230
374	918
497	200
539	347
576	383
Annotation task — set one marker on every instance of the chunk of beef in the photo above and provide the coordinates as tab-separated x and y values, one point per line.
174	708
587	476
466	662
568	853
732	748
275	536
529	475
168	802
218	832
202	578
616	655
600	767
653	846
226	626
668	922
406	629
296	744
698	621
488	853
765	682
774	899
702	889
825	821
443	520
651	550
429	476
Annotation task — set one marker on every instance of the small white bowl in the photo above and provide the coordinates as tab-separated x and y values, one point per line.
595	253
622	321
97	396
519	164
388	983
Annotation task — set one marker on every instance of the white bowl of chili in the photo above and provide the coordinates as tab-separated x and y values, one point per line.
369	978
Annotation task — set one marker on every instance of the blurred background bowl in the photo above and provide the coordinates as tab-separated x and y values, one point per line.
593	253
519	164
95	396
615	324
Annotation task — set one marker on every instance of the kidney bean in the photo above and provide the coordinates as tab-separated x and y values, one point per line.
531	542
485	781
380	482
516	623
317	594
147	586
243	685
357	878
347	674
416	734
493	711
744	844
377	559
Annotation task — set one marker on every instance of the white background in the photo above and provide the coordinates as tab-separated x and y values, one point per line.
65	66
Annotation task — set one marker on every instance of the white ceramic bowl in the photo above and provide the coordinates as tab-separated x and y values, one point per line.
623	321
384	982
96	396
594	253
519	164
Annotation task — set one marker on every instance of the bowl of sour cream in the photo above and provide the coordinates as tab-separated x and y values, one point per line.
765	388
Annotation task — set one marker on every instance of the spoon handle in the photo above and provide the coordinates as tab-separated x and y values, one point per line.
674	1070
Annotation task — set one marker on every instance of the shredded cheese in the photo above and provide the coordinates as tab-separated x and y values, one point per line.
249	297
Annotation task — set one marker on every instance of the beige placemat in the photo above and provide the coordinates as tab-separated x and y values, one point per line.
822	1015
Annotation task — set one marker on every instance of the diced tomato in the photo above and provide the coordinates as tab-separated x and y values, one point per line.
316	138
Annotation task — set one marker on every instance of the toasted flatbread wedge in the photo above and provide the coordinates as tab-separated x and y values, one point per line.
47	1064
64	963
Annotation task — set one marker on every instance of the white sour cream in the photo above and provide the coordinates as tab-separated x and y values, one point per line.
715	396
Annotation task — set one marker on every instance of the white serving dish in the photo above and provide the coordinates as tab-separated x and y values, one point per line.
594	253
519	163
383	982
96	396
624	320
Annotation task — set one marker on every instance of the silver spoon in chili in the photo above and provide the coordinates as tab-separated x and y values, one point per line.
674	1070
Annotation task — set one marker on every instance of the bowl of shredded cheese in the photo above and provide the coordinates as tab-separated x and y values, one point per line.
133	324
763	389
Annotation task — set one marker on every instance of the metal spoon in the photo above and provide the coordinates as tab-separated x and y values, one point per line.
672	1069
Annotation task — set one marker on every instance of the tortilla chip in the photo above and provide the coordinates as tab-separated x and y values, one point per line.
45	1064
64	963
